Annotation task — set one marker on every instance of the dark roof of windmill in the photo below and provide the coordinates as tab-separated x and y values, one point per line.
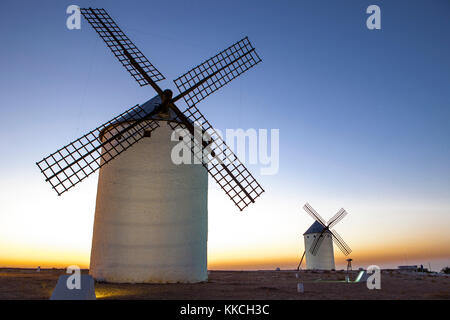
316	227
148	107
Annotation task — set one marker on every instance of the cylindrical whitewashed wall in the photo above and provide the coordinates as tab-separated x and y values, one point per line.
324	258
151	216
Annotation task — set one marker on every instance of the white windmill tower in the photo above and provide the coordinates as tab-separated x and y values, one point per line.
143	230
324	258
319	240
151	214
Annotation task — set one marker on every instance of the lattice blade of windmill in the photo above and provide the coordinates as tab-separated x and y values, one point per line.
340	243
314	214
206	78
336	218
74	162
315	246
220	161
118	43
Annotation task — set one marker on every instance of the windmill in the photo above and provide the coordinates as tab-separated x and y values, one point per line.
319	239
151	215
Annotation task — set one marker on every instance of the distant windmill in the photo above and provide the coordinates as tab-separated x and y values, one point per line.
319	241
151	215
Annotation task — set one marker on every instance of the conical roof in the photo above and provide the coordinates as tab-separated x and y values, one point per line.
149	106
316	227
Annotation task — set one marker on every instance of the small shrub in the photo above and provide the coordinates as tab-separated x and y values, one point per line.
446	270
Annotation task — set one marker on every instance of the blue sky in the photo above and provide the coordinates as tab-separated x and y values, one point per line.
363	114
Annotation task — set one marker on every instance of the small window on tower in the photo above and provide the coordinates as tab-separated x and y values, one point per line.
147	133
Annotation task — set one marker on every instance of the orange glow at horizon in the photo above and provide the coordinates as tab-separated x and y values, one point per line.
56	232
23	257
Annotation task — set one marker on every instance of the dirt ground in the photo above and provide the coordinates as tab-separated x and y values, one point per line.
29	284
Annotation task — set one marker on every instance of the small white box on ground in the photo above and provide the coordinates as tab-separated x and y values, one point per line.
300	287
85	292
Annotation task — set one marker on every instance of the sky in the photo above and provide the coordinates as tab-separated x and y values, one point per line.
363	118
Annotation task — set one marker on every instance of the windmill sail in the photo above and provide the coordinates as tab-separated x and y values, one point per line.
315	246
341	243
314	214
206	78
336	218
74	162
120	45
221	163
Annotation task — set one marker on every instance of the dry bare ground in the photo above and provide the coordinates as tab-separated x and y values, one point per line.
29	284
